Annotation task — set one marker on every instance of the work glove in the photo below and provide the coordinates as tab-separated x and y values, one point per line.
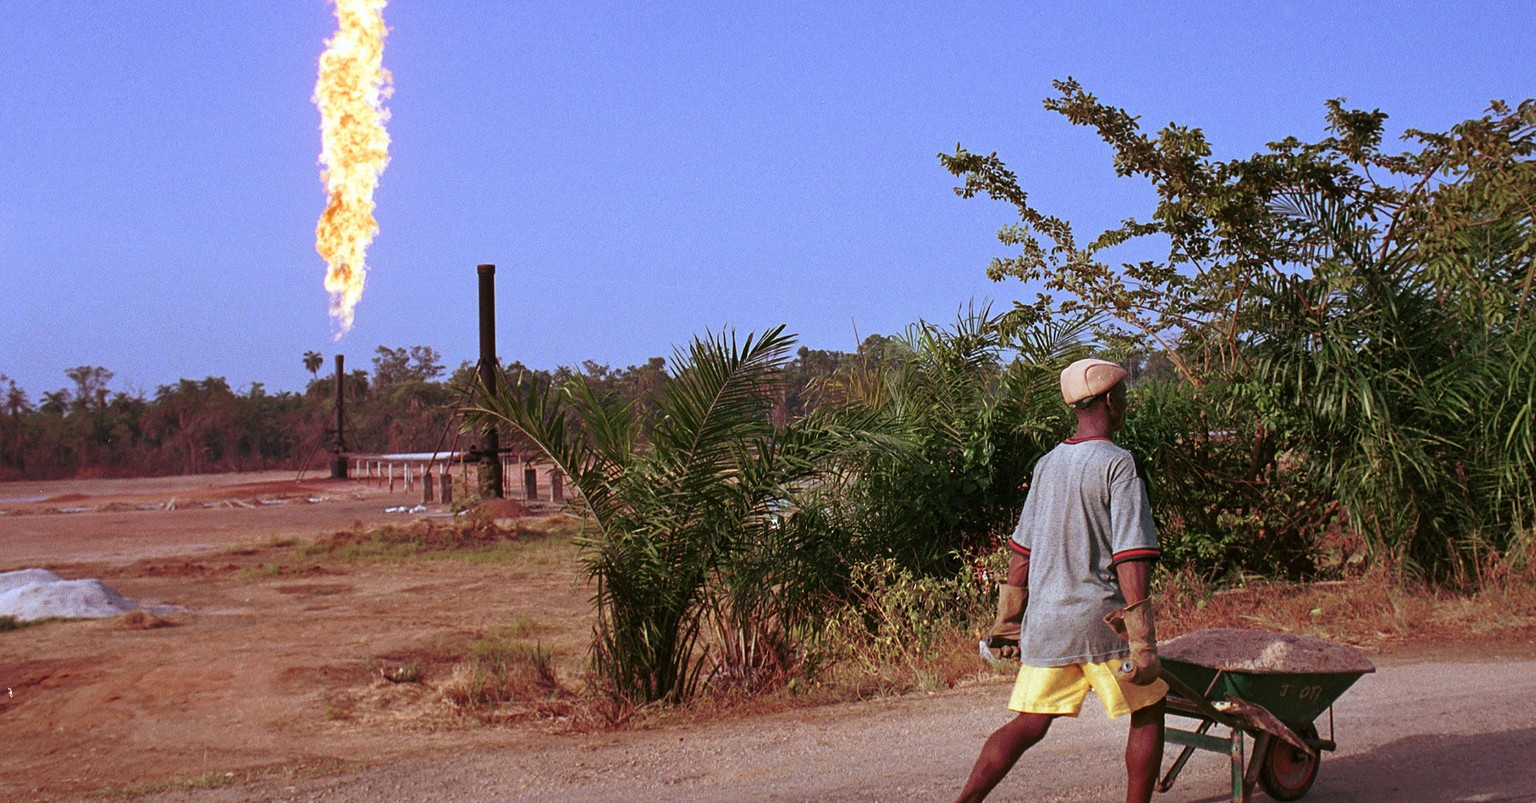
1134	624
1003	638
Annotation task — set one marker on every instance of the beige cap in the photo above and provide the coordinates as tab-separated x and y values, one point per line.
1085	379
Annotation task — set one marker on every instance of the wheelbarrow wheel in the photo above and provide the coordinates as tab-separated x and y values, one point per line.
1287	773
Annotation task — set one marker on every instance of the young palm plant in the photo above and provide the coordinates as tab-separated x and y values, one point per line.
687	499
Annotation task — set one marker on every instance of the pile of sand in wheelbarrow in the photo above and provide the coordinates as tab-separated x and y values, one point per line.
1263	651
31	594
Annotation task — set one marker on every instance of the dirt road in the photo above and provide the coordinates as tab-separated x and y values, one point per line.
1430	730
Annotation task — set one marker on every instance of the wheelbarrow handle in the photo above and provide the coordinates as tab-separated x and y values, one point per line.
1182	689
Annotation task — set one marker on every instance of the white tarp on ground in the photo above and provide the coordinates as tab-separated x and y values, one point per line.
31	594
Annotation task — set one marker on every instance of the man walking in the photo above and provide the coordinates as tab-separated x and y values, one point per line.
1082	554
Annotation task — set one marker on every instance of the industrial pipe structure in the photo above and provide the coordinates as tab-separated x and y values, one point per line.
339	457
490	449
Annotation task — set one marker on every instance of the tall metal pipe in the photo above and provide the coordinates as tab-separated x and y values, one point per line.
490	449
339	459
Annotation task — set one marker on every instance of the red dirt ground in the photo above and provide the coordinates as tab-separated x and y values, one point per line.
264	669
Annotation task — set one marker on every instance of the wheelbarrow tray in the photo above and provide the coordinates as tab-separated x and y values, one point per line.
1243	681
1294	698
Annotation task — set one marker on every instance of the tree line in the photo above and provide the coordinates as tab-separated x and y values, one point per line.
408	402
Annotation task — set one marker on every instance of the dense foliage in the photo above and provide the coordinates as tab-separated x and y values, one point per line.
1350	328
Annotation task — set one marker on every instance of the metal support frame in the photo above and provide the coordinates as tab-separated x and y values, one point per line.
1186	702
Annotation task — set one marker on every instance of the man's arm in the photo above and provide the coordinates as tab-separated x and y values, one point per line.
1018	570
1134	575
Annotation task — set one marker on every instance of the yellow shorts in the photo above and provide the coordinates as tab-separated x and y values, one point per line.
1060	690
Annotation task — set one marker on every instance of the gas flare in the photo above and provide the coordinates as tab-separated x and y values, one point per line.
350	94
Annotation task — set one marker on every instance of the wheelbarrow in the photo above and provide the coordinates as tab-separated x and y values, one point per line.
1278	710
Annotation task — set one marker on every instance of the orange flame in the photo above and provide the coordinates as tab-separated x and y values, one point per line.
354	148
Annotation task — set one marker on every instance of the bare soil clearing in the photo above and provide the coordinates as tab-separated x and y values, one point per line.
119	521
268	668
273	676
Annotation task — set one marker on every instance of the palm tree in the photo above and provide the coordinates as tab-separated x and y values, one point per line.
685	496
15	398
312	363
55	402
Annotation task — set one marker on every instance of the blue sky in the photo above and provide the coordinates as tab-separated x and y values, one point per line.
639	173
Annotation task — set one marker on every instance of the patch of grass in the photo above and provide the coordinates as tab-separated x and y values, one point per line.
522	627
898	633
214	779
488	677
543	541
339	709
270	570
534	541
501	679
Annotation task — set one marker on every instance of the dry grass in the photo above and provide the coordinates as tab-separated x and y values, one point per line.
502	679
492	678
1375	611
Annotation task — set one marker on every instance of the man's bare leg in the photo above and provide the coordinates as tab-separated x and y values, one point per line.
1144	752
1002	751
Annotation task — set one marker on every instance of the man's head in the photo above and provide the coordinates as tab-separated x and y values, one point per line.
1090	384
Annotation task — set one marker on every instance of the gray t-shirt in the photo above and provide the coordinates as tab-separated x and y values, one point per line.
1087	510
